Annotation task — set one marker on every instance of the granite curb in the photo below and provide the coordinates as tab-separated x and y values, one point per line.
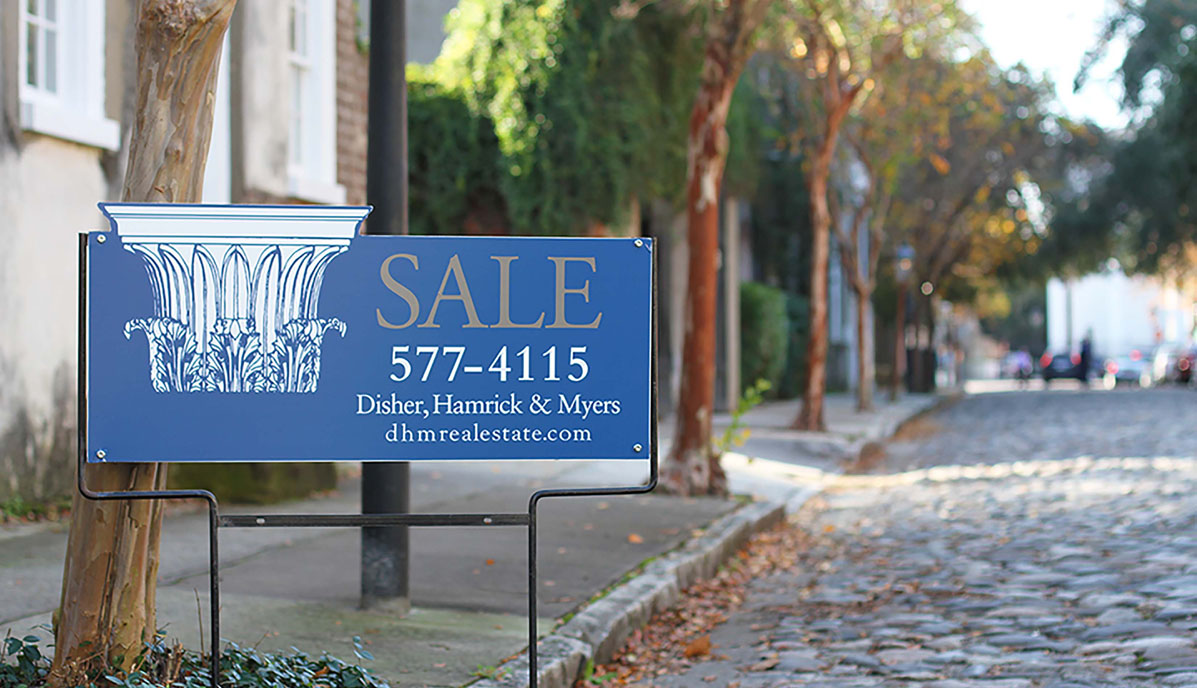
596	632
888	427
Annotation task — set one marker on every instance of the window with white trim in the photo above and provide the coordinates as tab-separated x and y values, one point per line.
300	64
312	138
61	86
41	46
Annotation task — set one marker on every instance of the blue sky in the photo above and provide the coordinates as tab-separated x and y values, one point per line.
1051	37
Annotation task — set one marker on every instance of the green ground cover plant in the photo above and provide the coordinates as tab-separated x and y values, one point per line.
165	665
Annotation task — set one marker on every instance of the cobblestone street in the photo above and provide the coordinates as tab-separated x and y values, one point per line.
1056	572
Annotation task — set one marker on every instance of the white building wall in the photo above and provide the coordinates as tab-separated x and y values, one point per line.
1121	312
49	194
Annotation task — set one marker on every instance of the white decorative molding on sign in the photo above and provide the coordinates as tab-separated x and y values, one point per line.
235	291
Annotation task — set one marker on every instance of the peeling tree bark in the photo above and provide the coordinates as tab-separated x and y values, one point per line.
110	576
692	467
810	417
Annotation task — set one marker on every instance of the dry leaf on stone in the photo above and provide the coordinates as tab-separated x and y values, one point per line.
635	539
698	647
663	647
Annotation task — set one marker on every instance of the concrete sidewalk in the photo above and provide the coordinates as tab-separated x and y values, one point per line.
299	587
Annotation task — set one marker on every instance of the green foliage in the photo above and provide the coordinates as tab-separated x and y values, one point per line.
737	432
453	160
781	229
591	679
970	205
764	327
589	110
793	379
17	508
746	141
255	483
22	663
1159	32
1138	203
1140	208
161	665
488	671
1023	325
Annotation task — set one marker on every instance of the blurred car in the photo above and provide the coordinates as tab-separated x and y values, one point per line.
1062	365
1127	370
1173	363
1163	360
1185	362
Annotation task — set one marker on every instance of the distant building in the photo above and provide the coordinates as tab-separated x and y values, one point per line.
1122	313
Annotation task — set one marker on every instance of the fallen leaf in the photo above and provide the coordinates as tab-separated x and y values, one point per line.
698	647
440	665
635	539
490	562
828	528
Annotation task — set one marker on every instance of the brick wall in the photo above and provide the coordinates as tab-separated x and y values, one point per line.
352	93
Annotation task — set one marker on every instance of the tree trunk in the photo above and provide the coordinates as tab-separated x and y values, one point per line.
895	380
811	415
111	571
692	467
864	352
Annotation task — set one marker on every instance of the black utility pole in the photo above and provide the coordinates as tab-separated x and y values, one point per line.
386	486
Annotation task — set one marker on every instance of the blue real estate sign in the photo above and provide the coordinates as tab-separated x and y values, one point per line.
258	333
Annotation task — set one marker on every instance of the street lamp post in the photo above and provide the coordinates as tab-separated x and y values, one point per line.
386	485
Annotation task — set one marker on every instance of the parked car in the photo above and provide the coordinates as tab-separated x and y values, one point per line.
1163	361
1186	360
1127	370
1062	365
1173	363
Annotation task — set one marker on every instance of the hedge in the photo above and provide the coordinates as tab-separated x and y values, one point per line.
764	333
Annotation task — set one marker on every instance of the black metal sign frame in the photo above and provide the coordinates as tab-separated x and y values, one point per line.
216	521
